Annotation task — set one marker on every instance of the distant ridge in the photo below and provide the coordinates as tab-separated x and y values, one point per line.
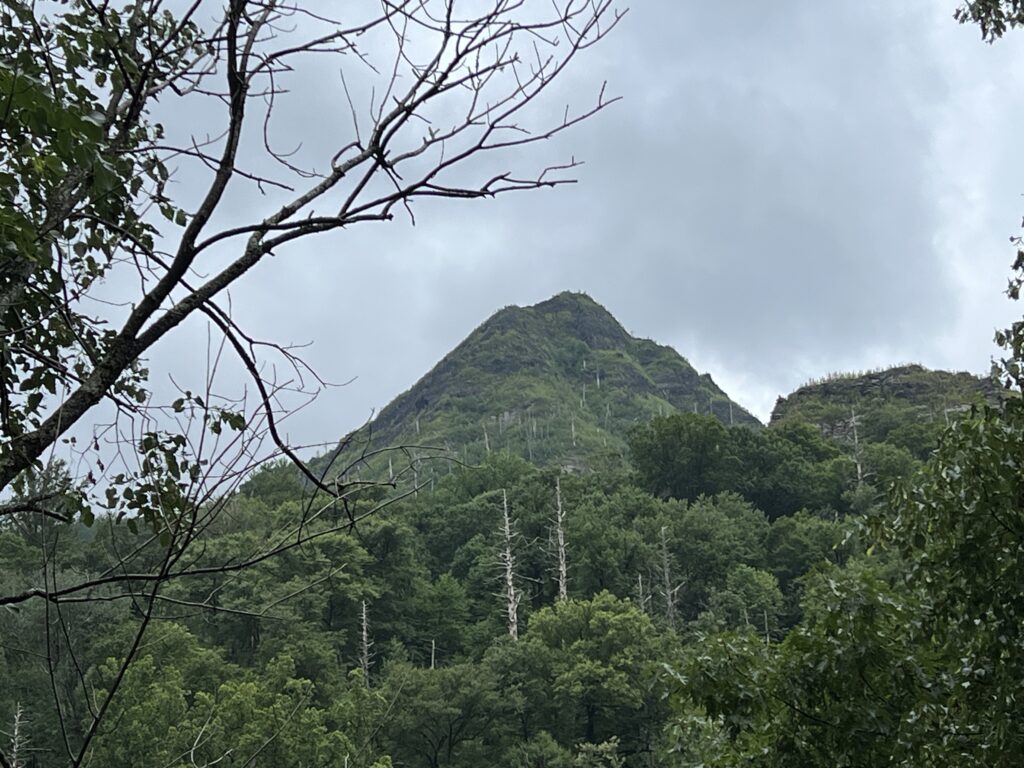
906	405
560	382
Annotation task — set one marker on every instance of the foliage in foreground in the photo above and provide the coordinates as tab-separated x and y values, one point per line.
912	655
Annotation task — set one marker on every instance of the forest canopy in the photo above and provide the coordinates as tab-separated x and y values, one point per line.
608	580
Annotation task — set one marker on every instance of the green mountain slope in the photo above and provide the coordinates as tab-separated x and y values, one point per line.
560	382
907	406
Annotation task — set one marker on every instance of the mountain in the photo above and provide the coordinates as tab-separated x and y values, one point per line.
907	405
557	382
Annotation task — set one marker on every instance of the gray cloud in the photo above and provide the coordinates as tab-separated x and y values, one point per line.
786	189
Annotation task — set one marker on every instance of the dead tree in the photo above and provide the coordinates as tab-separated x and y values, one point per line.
365	644
563	571
669	592
857	452
18	740
643	599
508	563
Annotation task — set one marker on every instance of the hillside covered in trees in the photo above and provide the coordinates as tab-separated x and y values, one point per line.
563	547
652	612
561	382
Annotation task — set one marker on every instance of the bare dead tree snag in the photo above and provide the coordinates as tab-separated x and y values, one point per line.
563	571
643	599
365	644
858	453
508	563
668	591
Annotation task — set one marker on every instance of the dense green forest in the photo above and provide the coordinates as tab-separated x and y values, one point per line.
563	548
732	595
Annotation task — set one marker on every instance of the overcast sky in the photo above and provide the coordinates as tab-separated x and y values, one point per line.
786	189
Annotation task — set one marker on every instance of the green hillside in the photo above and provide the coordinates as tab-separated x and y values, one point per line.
557	383
684	612
907	406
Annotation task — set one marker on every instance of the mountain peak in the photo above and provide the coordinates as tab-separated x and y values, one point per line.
581	316
560	381
569	314
570	301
